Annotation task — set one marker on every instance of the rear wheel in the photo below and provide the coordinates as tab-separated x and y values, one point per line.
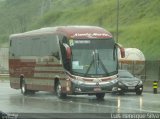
59	92
24	91
100	95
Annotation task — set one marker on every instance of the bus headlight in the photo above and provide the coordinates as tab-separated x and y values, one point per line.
80	82
120	83
114	81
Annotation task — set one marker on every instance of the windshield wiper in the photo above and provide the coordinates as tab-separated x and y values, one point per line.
98	60
103	67
89	67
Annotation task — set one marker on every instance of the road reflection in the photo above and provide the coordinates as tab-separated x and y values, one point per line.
47	102
129	102
43	102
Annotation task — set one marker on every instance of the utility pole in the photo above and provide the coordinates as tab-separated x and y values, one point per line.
45	6
117	21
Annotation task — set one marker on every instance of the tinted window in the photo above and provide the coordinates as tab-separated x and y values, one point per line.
124	74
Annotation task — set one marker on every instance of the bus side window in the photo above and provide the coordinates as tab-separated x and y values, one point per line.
56	54
10	42
53	46
64	40
10	51
63	52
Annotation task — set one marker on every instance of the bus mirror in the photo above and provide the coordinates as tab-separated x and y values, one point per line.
68	51
122	50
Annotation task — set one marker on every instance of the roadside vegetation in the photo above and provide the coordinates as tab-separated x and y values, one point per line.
139	20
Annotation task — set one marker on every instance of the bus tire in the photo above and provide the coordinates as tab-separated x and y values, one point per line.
59	92
100	96
24	91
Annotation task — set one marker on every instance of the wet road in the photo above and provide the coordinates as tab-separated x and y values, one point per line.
12	100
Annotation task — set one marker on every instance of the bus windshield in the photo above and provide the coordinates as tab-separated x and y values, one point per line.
94	57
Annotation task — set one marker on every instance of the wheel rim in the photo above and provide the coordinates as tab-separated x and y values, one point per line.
59	90
23	88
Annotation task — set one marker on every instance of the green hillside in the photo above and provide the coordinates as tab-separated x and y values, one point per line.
139	20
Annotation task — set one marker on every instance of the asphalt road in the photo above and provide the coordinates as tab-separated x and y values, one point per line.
12	100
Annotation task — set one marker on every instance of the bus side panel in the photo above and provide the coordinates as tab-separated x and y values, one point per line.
20	67
13	84
37	58
38	75
48	65
45	74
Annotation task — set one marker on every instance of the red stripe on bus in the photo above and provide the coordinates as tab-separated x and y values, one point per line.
106	79
40	87
48	65
61	72
45	78
15	85
89	80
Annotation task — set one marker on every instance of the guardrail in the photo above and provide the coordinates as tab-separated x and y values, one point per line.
4	74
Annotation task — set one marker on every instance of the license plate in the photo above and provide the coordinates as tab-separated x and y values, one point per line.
97	89
131	87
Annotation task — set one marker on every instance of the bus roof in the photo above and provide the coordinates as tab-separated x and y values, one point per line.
79	32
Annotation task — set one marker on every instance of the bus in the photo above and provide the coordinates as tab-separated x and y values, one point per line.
67	60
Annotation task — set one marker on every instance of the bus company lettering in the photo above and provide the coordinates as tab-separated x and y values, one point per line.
91	35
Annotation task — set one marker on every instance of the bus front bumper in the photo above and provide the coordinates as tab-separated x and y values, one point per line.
93	88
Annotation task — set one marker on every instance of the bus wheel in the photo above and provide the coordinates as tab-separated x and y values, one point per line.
100	95
23	87
59	92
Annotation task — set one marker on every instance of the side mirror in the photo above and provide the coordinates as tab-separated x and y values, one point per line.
68	51
122	50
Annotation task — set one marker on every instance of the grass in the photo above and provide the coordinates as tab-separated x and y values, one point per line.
4	78
143	35
139	20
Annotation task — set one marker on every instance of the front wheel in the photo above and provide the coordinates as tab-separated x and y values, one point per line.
59	92
100	95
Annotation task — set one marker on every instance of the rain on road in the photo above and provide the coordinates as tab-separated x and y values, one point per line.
12	100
